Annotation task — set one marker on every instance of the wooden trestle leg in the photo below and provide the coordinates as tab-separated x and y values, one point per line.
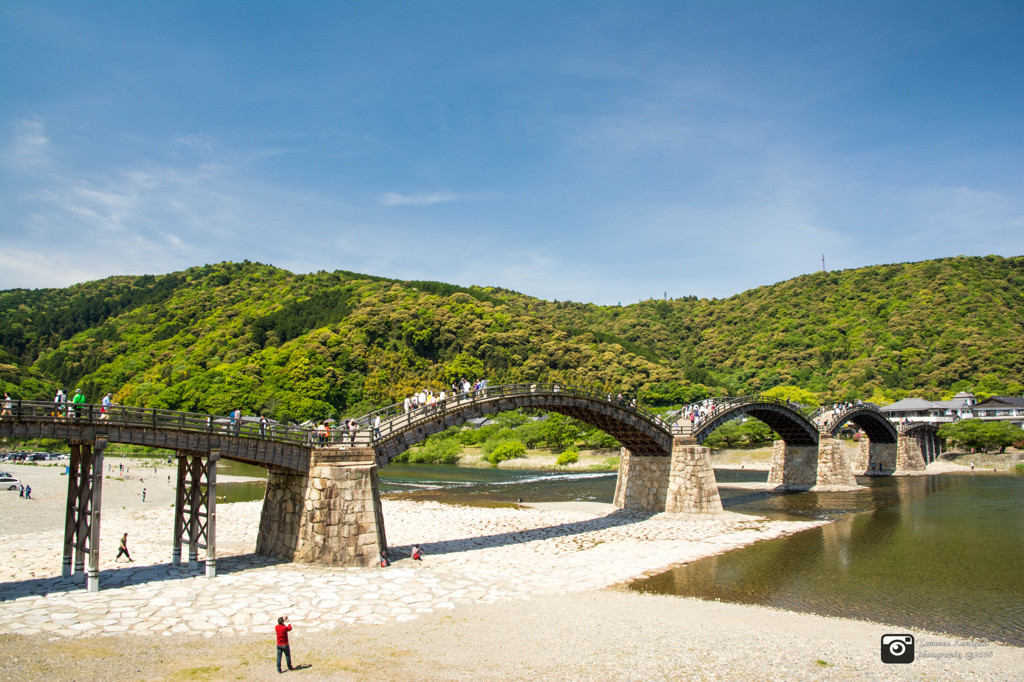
195	508
82	515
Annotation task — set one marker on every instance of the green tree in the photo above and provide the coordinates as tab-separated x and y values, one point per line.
560	431
437	451
794	394
981	435
727	435
509	449
463	366
568	456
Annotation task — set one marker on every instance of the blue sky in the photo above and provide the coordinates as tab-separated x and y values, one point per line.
591	151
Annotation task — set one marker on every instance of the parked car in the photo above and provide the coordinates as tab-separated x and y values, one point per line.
8	482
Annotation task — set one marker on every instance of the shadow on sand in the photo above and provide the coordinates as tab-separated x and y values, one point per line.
129	574
619	517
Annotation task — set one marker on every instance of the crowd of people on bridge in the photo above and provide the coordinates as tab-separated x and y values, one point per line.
433	402
836	409
698	411
346	432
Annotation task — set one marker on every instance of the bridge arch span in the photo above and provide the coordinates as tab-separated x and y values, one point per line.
868	418
790	423
919	429
635	428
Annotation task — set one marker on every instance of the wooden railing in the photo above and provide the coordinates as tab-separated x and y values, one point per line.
723	405
852	408
120	415
394	418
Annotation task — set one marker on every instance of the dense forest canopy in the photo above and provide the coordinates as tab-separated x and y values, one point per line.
298	347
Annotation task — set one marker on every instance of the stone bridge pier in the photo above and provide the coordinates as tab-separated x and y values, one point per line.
681	483
911	454
904	456
874	459
794	467
804	467
330	516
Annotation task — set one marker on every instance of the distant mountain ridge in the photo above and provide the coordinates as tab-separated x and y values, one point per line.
297	346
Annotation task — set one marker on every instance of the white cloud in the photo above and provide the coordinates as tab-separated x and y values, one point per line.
396	199
429	198
28	149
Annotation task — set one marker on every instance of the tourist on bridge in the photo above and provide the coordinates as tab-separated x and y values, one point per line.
105	407
78	400
7	405
58	401
376	424
282	630
123	549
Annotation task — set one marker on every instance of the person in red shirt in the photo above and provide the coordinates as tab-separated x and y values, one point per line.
282	630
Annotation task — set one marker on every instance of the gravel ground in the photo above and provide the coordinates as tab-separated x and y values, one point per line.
603	635
607	634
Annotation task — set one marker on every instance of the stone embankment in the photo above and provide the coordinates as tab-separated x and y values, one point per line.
473	555
506	593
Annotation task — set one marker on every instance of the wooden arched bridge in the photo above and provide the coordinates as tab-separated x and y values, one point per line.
322	503
634	427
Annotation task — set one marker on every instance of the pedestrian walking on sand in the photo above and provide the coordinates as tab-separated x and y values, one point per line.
282	629
123	549
143	494
28	492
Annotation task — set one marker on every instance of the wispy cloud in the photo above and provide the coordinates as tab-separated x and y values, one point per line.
28	148
422	199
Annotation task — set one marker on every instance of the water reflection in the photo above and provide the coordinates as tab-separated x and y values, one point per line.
936	552
493	487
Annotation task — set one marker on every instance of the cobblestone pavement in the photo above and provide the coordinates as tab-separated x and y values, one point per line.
472	555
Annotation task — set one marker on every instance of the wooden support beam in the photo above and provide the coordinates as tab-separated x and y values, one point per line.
96	483
179	507
211	513
71	513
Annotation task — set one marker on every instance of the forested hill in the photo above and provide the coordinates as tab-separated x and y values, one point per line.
294	346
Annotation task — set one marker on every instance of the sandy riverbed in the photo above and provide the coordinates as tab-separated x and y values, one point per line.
526	593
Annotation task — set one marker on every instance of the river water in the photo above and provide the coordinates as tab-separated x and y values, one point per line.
942	553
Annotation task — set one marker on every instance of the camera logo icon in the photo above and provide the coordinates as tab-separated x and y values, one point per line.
897	648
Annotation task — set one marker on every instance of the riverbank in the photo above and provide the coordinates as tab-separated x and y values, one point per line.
520	593
593	636
608	460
